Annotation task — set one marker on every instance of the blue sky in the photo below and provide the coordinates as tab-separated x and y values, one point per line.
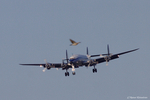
34	30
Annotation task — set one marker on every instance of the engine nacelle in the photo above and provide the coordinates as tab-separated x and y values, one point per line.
48	68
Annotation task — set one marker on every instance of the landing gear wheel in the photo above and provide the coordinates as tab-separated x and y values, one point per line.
94	70
67	74
73	73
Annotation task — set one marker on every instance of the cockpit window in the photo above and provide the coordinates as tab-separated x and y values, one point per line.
72	57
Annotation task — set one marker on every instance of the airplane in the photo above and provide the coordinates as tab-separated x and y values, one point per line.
76	61
74	43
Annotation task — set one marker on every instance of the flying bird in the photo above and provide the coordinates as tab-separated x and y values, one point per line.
74	43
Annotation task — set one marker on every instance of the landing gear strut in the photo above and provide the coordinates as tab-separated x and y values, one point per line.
73	70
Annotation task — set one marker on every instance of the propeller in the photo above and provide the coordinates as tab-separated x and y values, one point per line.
46	65
66	58
108	53
90	62
89	56
107	56
73	67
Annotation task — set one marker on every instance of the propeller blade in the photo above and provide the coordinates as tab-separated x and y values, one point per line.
62	62
44	69
87	52
46	65
57	68
108	53
67	56
108	49
106	63
45	61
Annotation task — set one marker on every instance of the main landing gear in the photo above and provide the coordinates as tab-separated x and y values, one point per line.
66	73
94	70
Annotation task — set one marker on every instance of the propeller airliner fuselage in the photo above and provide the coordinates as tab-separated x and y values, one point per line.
76	61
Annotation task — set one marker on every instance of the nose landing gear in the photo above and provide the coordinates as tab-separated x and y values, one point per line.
73	73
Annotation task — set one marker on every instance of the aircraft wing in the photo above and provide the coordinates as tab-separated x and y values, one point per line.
126	52
56	65
33	64
100	60
115	56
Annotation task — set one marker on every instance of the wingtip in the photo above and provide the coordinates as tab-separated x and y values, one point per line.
137	49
